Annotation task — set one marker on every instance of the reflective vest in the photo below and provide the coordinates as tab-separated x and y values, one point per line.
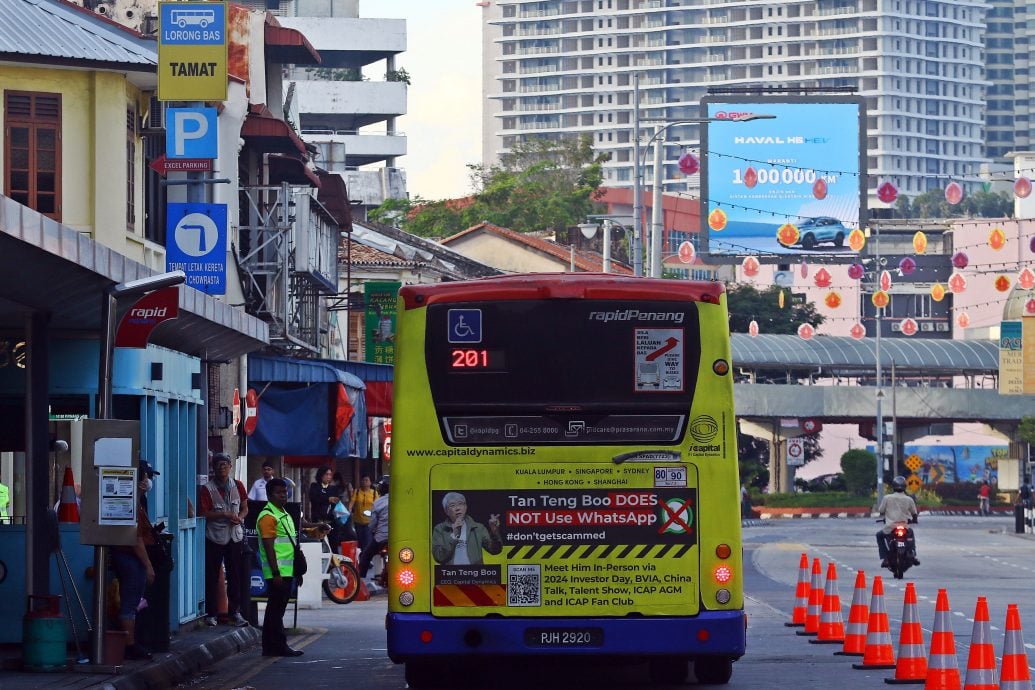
283	545
5	499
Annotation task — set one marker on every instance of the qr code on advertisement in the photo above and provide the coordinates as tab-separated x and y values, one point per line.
523	585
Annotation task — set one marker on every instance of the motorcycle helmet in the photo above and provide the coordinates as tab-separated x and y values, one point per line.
382	485
899	483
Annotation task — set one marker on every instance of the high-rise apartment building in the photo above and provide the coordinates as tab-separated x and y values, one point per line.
560	68
1008	48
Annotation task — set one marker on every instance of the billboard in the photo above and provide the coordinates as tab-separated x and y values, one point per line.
804	167
938	464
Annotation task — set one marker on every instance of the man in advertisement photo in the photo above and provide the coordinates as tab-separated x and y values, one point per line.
460	539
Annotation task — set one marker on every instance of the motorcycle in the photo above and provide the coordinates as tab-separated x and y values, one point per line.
342	583
901	549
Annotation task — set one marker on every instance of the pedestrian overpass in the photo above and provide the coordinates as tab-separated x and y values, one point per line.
927	384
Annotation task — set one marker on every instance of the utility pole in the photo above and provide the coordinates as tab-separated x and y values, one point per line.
657	223
637	210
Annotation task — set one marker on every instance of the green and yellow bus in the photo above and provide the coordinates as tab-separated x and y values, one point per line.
564	476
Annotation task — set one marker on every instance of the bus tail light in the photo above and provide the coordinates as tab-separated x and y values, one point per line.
723	596
723	551
425	636
703	635
406	555
406	577
721	367
406	598
723	574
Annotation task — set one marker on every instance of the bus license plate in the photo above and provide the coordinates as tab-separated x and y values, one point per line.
564	637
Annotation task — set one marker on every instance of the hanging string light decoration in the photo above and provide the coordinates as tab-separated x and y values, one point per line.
1002	283
819	188
858	331
909	327
806	331
750	266
856	271
880	299
750	177
857	240
907	265
1029	307
963	320
823	278
957	283
997	239
753	329
960	260
887	193
788	234
717	220
689	163
937	292
920	242
1026	279
1022	187
833	299
953	193
779	299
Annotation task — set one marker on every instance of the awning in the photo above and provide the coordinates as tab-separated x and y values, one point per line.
378	379
285	168
265	132
270	369
51	268
288	46
335	198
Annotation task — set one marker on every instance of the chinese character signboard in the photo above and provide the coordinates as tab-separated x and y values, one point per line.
379	325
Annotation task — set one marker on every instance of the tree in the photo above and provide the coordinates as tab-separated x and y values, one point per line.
541	184
932	204
859	468
746	303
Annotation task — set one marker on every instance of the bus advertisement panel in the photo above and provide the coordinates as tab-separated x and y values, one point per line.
564	476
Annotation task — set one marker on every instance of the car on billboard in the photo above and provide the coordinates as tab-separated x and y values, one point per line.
821	229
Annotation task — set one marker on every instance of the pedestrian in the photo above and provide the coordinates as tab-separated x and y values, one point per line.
378	528
1024	496
277	555
983	495
323	494
5	503
133	567
362	503
258	490
745	502
222	503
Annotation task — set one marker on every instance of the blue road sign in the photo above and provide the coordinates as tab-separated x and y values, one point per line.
193	23
465	325
196	245
191	133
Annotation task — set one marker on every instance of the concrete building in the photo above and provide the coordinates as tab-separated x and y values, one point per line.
558	68
348	106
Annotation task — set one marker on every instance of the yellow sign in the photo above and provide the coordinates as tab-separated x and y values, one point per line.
192	53
913	483
914	463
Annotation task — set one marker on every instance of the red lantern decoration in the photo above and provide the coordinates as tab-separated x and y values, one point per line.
909	327
857	240
857	331
1031	244
823	278
887	193
833	300
954	193
957	283
1026	279
1022	187
963	320
779	300
1002	283
750	266
750	178
688	163
819	188
806	331
717	220
753	329
1029	307
920	242
937	292
880	299
804	269
960	260
997	239
787	234
856	271
885	281
907	265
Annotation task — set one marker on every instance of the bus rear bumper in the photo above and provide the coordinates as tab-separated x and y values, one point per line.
423	636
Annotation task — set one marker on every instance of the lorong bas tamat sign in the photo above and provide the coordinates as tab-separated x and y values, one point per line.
192	53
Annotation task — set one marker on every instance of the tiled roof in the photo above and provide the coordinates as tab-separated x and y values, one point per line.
584	261
62	31
362	254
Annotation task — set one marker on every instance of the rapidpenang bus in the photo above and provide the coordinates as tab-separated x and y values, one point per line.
564	476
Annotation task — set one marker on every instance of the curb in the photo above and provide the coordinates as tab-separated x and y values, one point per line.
844	513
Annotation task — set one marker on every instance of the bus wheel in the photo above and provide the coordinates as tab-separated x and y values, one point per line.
425	674
713	670
670	670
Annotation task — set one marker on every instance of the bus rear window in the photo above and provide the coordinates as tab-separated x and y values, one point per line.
578	371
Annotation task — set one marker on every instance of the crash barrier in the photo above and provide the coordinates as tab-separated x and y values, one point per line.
938	670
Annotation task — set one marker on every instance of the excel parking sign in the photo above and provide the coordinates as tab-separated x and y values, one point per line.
192	51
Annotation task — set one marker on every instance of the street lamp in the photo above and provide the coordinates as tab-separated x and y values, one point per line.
589	231
657	211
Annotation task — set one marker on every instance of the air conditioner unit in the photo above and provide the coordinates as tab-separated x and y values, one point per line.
942	327
896	326
926	326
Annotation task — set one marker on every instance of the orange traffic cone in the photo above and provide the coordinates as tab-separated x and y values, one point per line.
1014	673
815	609
68	511
858	615
912	655
801	594
981	661
879	652
831	625
943	672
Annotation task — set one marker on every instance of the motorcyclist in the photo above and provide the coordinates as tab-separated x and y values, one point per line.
897	509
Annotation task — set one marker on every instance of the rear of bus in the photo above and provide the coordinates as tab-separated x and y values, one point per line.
564	476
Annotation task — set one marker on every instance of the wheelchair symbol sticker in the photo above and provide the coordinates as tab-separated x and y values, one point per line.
465	325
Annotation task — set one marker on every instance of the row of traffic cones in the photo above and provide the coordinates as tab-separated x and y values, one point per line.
868	634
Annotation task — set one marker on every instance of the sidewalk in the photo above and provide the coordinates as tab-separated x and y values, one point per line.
767	513
189	652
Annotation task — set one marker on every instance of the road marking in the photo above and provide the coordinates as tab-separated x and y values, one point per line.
265	662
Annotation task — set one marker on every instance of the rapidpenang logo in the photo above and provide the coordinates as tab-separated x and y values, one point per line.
637	315
149	312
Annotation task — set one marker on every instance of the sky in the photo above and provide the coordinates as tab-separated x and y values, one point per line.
443	58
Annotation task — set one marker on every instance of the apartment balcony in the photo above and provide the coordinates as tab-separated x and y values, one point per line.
341	149
351	42
348	105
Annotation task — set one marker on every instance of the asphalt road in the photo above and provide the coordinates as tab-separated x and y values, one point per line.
968	556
